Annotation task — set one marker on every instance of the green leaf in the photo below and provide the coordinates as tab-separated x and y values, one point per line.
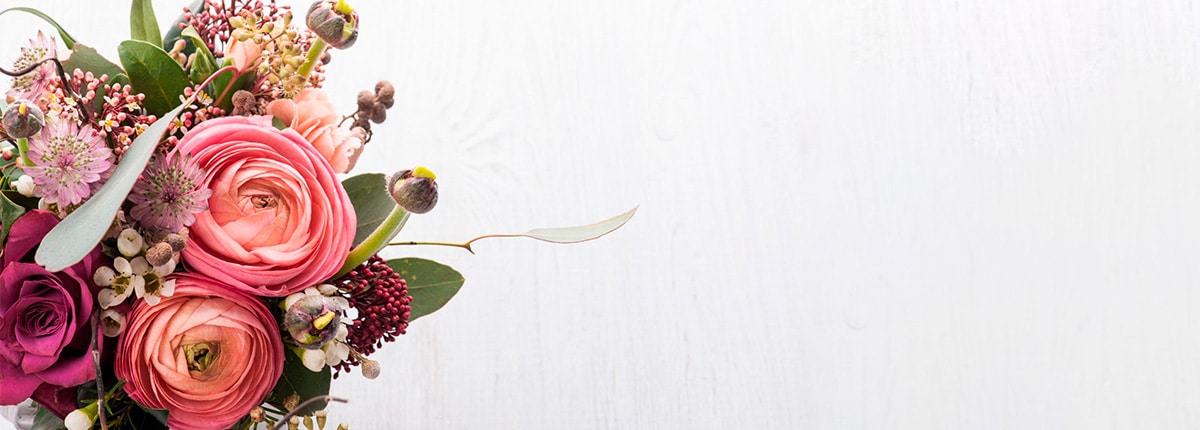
205	64
143	25
297	379
86	58
152	72
9	212
66	38
372	204
44	420
431	284
174	32
80	231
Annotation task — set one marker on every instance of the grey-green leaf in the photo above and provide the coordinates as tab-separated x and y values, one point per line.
152	72
574	234
45	420
372	204
79	232
143	25
66	38
431	284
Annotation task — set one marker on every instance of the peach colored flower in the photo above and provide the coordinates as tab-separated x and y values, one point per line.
208	354
278	220
312	115
244	55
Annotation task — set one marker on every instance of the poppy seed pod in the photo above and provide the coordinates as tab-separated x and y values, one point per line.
23	119
334	22
414	190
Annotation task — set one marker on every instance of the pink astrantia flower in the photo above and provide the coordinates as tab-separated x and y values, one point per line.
69	162
169	194
30	86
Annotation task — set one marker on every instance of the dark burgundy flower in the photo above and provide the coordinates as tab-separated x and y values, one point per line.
45	320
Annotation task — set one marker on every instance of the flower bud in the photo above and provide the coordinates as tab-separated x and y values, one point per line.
159	254
129	242
370	368
23	119
414	190
313	320
334	22
82	418
112	323
385	93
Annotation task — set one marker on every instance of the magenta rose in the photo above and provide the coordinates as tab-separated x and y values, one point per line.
278	220
45	320
208	354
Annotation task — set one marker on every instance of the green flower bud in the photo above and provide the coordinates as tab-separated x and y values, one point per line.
414	190
334	22
23	119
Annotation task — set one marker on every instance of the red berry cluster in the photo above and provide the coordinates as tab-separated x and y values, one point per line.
381	298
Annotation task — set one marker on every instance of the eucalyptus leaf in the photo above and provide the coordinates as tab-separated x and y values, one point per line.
9	212
44	420
574	234
174	32
304	383
431	284
372	204
152	72
66	38
143	25
86	58
204	65
79	232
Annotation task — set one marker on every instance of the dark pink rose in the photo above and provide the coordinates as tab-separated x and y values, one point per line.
278	220
45	320
208	354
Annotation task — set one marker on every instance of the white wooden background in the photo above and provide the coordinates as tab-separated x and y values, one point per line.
854	214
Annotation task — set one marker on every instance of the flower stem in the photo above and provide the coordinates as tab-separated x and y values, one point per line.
376	241
314	55
23	146
466	246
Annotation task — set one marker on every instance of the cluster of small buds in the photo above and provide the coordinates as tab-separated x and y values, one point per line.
316	421
199	111
283	51
122	116
381	298
373	106
140	269
212	22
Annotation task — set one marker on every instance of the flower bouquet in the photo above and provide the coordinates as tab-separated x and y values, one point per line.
181	243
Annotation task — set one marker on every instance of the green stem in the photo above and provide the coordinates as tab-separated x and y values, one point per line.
376	241
466	246
23	146
314	55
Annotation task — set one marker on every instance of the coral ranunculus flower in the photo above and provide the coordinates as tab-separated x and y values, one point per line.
312	115
208	354
278	220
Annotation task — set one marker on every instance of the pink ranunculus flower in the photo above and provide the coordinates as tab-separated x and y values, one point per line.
312	115
208	354
278	220
45	329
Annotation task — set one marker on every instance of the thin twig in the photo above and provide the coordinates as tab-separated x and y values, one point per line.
62	75
96	339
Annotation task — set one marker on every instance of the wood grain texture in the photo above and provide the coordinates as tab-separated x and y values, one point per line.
854	214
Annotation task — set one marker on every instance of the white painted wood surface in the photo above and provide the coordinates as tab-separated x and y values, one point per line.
854	214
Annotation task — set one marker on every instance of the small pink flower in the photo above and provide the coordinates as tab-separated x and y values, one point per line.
169	193
208	354
32	85
278	220
69	161
312	115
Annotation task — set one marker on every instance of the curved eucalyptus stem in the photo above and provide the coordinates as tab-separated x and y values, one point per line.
62	75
